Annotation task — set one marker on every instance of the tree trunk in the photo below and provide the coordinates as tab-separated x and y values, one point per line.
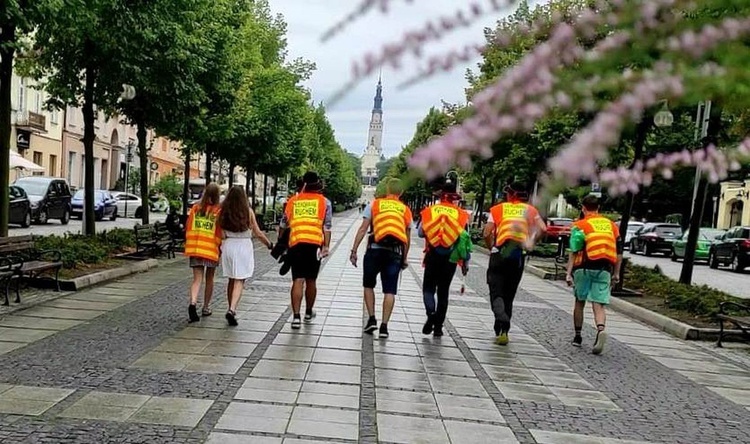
252	188
7	36
686	275
186	183
232	166
88	150
480	200
209	155
265	192
248	171
145	171
640	141
275	192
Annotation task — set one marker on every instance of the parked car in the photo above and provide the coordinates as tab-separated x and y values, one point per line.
655	238
632	229
49	198
20	207
556	227
128	204
706	236
104	205
732	248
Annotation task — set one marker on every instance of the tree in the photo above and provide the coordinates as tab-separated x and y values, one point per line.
383	167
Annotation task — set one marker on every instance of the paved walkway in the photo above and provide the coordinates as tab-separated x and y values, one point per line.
119	363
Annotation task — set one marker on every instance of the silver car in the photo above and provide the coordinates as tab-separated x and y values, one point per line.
128	204
633	228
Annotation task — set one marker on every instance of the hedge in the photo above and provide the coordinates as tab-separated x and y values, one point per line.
77	249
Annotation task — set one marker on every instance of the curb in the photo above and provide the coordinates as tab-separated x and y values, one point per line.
92	279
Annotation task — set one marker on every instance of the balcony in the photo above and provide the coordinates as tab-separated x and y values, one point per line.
31	121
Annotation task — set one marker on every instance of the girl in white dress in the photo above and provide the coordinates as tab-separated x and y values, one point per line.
238	224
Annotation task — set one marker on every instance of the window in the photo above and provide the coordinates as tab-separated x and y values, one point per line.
38	159
22	95
38	103
55	116
52	165
71	164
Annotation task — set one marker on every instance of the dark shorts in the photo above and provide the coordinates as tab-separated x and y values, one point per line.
304	260
387	264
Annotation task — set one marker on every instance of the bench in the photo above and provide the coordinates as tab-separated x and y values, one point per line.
154	240
742	322
22	260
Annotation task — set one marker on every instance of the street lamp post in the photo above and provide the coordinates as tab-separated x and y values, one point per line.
128	160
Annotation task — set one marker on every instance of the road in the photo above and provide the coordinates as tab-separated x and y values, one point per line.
75	226
722	279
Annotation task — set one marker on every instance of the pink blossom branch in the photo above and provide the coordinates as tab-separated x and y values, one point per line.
361	10
444	62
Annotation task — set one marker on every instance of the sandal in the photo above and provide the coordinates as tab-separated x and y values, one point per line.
231	318
206	312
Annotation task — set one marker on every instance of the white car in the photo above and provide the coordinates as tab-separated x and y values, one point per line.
633	228
131	202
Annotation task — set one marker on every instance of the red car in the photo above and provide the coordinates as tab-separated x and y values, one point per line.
556	227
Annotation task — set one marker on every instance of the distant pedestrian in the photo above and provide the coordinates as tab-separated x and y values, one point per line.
202	241
387	250
309	216
442	225
593	268
513	228
238	225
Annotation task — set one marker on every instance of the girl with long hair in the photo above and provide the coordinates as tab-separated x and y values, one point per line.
202	246
238	224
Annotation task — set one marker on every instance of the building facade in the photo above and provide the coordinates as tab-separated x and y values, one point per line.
374	150
733	204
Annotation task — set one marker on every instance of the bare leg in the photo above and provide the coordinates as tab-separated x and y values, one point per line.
297	292
600	315
239	285
230	289
370	301
311	293
196	285
208	292
389	301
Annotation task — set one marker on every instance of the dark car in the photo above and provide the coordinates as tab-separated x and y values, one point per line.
20	207
105	205
655	238
732	248
49	197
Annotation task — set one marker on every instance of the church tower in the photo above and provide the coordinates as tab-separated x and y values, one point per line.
374	151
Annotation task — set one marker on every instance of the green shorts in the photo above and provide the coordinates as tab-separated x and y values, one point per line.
592	285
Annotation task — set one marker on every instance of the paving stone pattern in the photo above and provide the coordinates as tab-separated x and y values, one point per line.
119	363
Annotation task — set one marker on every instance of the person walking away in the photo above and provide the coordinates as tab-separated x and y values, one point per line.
202	242
238	224
387	250
441	226
309	218
513	228
593	268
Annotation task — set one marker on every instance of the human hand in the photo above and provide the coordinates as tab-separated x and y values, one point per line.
353	258
324	252
270	245
465	269
569	280
404	264
615	279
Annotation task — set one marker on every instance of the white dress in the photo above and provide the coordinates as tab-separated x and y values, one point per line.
238	255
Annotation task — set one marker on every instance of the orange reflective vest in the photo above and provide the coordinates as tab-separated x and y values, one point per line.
203	235
443	223
600	237
390	217
305	214
511	222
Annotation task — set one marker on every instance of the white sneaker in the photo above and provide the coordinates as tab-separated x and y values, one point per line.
601	340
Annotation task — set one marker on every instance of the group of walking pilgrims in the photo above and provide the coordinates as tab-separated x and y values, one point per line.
221	233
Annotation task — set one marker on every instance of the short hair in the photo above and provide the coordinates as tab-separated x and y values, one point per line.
394	186
590	203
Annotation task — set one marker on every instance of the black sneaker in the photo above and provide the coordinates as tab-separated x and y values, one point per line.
428	326
372	325
577	341
438	332
193	314
296	322
309	315
383	331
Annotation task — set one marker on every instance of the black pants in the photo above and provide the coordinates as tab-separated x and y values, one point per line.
438	275
503	277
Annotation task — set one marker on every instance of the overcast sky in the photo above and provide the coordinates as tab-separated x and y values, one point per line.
308	19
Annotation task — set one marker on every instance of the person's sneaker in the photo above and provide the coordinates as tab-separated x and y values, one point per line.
296	322
428	326
577	341
438	332
601	340
372	325
502	338
309	315
383	331
193	313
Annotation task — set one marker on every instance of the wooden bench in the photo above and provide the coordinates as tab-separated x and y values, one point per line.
742	322
154	240
24	260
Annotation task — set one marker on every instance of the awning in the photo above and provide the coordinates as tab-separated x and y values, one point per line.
18	162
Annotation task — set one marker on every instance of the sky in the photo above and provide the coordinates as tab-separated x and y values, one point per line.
307	20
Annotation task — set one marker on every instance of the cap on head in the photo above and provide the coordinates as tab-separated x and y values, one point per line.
311	181
590	203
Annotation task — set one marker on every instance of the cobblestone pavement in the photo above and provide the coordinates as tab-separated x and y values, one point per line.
120	364
722	279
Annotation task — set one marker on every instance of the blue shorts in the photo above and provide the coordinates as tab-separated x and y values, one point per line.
383	262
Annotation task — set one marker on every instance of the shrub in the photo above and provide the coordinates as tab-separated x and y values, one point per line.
338	208
77	249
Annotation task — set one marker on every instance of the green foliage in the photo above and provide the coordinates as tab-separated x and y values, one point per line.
77	249
170	186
